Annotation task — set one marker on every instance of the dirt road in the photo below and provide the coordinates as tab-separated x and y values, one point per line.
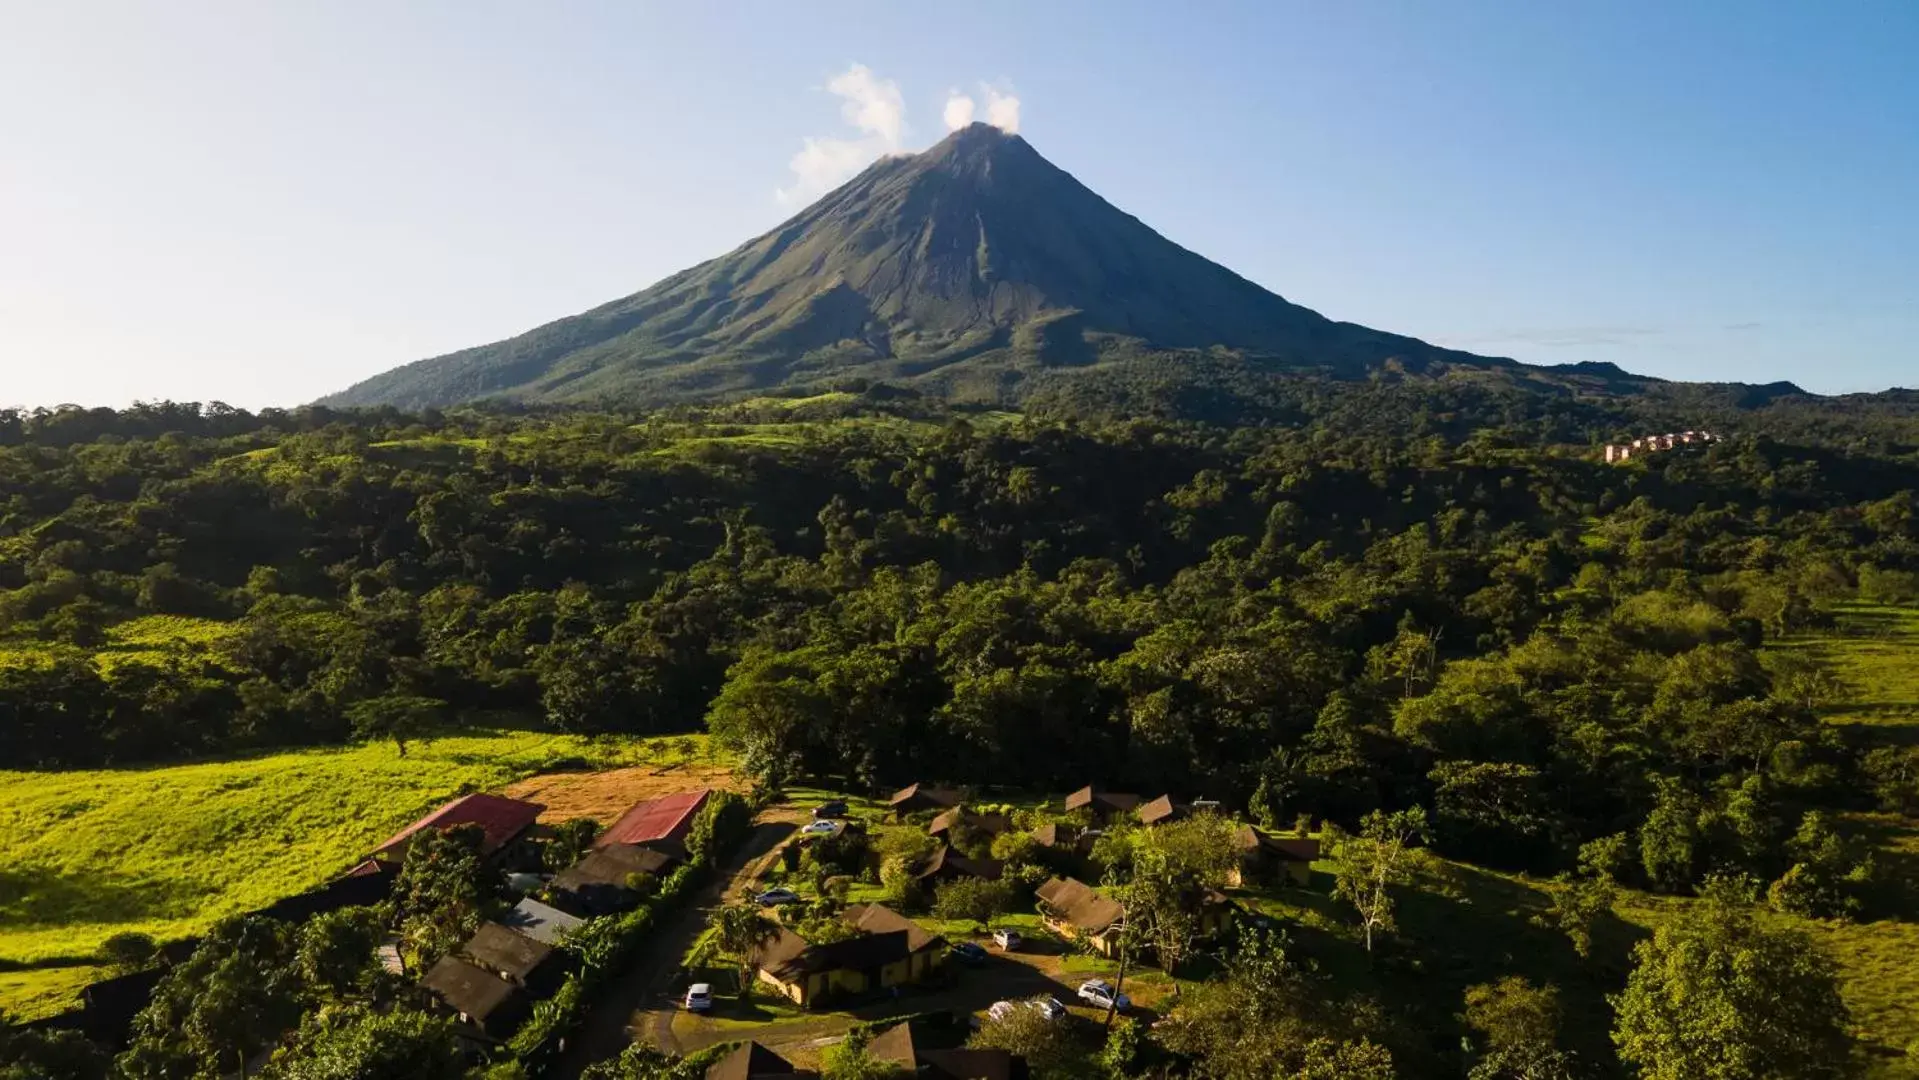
645	990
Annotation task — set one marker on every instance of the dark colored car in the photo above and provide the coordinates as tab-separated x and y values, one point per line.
836	808
968	953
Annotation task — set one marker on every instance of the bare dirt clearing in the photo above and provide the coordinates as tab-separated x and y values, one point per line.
604	796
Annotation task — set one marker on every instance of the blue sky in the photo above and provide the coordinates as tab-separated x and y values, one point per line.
260	203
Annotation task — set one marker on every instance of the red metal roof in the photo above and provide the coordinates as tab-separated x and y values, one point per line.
499	817
657	821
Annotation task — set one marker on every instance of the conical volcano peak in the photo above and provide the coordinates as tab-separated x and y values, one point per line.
967	268
974	148
975	138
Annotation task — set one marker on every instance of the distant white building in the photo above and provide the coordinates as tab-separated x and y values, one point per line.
1618	452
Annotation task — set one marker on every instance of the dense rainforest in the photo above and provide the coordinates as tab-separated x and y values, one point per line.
1372	598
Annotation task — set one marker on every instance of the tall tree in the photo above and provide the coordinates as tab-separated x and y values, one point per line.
1717	996
1370	864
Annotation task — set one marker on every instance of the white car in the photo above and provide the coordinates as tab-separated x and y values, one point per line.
1000	1010
1049	1007
1009	940
776	897
821	828
1100	994
699	997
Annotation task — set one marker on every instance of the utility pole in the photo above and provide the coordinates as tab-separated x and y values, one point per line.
1125	955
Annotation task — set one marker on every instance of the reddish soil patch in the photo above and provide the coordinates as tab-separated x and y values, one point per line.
604	796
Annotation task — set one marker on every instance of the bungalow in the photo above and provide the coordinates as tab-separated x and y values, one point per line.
891	951
949	865
661	824
602	883
751	1061
1103	805
903	1047
501	822
1066	839
959	818
541	922
520	960
1263	857
916	797
1216	911
1075	910
482	1000
1162	811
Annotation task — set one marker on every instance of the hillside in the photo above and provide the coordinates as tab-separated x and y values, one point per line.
167	851
966	269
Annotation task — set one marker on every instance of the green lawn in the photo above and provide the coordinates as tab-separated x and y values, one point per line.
1874	649
166	851
149	637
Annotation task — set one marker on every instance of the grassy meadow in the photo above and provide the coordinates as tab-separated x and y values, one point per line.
166	851
1874	650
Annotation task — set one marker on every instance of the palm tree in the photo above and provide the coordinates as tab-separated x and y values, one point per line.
740	929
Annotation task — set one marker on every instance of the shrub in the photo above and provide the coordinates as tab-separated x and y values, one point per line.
972	898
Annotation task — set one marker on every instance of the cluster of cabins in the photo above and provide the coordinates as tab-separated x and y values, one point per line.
906	1047
492	980
887	949
1621	452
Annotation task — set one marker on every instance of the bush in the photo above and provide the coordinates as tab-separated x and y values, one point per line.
719	825
972	898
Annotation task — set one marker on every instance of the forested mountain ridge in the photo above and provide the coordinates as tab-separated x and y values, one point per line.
975	270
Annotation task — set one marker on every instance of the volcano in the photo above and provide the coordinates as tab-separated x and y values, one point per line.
969	270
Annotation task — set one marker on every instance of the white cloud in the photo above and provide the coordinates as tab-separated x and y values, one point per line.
875	109
1002	111
871	105
959	111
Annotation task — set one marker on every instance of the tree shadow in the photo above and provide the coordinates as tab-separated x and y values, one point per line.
41	896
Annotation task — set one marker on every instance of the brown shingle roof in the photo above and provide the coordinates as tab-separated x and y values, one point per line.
789	957
1079	904
899	1045
946	859
1290	848
468	989
991	824
921	795
1110	802
500	820
879	919
612	866
751	1062
506	953
1160	810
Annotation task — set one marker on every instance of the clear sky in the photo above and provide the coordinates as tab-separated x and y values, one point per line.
263	202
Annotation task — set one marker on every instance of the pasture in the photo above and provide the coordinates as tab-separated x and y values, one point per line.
166	851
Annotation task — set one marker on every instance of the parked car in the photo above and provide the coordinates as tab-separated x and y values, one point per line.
1008	940
821	828
1000	1010
699	997
1049	1007
836	808
1100	994
776	897
968	953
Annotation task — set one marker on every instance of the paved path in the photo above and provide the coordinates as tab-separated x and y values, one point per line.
648	982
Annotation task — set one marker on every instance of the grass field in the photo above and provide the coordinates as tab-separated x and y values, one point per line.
1874	649
166	851
149	637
